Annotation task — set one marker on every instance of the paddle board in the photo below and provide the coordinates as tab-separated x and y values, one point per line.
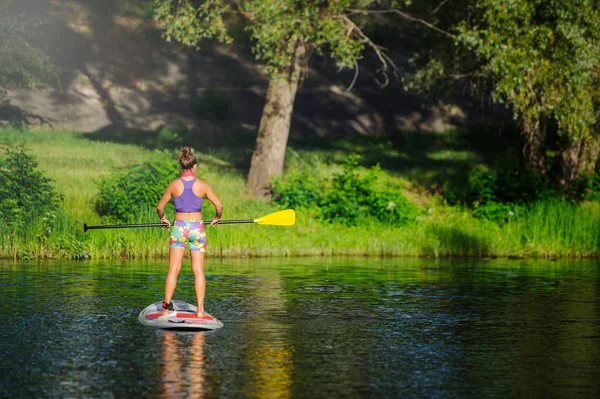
186	318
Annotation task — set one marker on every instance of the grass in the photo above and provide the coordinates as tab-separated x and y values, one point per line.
76	163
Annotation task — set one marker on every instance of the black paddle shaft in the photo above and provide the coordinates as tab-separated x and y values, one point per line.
127	226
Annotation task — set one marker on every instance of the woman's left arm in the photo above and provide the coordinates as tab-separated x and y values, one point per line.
212	197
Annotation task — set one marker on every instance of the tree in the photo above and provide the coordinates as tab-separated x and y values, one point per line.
285	34
542	59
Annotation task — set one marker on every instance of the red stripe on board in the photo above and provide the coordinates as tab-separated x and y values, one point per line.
154	316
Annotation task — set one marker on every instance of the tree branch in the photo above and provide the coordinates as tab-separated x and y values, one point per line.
442	4
458	76
356	70
249	16
385	60
403	15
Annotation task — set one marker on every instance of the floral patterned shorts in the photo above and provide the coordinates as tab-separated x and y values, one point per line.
192	231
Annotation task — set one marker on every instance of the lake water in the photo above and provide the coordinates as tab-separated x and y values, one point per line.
305	328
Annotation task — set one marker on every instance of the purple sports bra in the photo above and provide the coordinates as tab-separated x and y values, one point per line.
188	201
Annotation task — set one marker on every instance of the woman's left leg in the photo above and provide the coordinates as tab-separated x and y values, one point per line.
199	278
175	260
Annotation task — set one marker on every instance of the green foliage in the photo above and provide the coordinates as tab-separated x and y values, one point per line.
354	197
594	187
167	138
125	195
556	226
587	187
189	23
539	57
277	28
300	190
351	197
507	186
495	212
25	193
69	247
529	48
499	195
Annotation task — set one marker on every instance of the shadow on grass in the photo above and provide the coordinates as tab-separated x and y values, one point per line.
234	147
449	240
431	160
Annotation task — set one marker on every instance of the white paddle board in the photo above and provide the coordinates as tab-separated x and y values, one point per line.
185	319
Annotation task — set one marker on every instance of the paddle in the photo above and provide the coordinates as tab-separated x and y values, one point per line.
280	218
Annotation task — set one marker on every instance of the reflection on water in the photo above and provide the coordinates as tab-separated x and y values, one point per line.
183	366
306	328
271	364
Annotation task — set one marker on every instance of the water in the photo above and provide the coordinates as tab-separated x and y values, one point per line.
305	328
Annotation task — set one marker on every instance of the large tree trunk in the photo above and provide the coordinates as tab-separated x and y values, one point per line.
574	159
269	154
533	145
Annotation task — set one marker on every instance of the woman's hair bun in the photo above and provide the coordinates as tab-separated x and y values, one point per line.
186	158
185	153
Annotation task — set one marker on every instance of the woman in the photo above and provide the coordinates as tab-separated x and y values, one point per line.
187	193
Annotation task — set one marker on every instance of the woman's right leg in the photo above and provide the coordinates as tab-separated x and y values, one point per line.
199	279
175	260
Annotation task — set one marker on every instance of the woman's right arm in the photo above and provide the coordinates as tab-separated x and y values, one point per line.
160	208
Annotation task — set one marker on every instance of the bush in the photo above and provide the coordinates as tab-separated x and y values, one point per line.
594	187
354	197
586	187
496	212
351	197
297	191
25	192
125	195
507	186
497	195
167	138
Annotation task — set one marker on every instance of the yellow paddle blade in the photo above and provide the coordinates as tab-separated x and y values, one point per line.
281	218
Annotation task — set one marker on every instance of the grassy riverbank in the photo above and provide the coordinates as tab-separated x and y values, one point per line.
75	163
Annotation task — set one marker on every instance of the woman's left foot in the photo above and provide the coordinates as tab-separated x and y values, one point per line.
167	314
167	311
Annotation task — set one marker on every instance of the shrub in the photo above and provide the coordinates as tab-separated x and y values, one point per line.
507	186
351	197
496	212
497	195
298	191
168	138
25	192
594	187
586	187
126	195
